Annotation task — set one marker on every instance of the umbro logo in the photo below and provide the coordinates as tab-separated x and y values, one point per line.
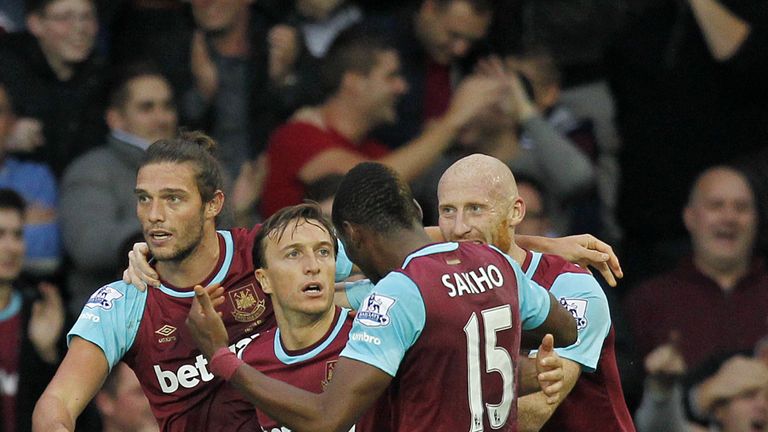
166	331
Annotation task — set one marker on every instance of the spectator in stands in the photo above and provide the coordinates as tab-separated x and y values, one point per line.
728	395
98	206
323	191
55	79
361	75
577	34
35	182
690	91
122	404
437	43
31	322
716	299
320	21
523	132
237	74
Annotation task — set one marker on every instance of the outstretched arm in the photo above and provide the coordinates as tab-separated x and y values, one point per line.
355	385
583	249
77	380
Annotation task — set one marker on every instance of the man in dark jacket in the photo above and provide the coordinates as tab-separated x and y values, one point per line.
31	322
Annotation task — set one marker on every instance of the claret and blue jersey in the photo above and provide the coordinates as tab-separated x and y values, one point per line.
446	326
146	330
596	403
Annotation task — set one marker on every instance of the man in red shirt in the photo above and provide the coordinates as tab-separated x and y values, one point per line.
361	76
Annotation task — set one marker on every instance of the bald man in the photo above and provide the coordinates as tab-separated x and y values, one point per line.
479	201
716	299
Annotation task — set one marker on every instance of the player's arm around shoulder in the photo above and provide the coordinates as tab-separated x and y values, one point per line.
76	382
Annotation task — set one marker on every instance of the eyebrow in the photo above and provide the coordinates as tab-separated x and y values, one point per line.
163	191
295	244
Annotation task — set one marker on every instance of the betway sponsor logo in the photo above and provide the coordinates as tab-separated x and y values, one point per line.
191	375
187	376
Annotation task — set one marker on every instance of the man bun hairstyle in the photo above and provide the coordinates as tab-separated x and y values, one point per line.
196	148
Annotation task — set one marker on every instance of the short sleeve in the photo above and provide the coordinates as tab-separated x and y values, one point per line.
389	321
110	319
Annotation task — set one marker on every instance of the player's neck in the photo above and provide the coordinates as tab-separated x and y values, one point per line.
196	267
300	330
392	253
517	253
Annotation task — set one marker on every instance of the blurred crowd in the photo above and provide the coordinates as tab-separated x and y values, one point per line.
642	122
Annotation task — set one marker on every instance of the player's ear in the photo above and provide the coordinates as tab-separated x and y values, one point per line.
215	205
351	233
261	276
516	212
421	212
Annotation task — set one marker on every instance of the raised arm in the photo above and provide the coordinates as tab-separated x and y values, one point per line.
410	160
76	382
583	249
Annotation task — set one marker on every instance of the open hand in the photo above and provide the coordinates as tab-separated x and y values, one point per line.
47	322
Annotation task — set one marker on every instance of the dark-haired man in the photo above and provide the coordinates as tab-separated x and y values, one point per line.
56	79
362	80
141	111
178	191
31	324
294	254
407	336
122	405
437	42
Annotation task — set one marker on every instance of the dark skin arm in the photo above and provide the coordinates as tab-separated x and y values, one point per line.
355	385
559	323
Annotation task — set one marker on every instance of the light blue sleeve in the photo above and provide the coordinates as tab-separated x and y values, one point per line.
533	298
585	300
357	291
389	321
110	319
343	264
